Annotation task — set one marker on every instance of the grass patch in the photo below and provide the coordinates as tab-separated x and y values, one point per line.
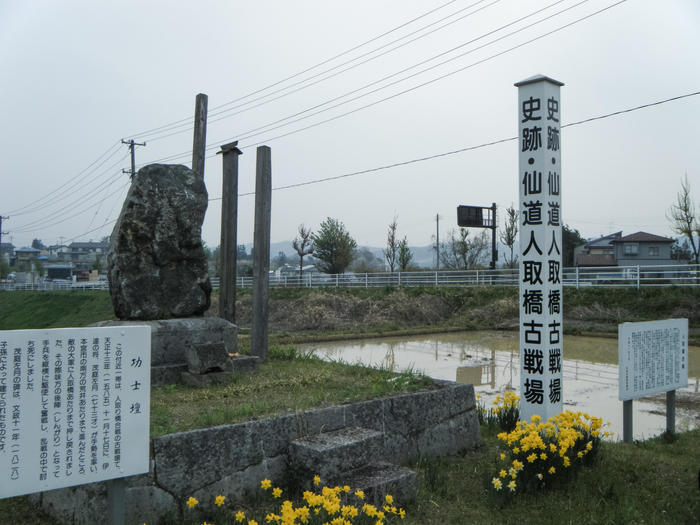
653	481
60	309
646	482
287	382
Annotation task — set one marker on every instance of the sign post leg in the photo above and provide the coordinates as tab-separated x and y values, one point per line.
627	421
671	412
116	501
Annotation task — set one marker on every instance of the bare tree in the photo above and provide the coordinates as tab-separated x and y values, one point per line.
404	255
509	234
683	218
460	252
392	245
303	244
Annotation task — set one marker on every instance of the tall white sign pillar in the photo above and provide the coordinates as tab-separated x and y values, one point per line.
539	180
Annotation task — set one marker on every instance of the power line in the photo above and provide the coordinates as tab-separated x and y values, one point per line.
441	77
53	223
286	91
468	148
93	230
326	61
99	161
430	157
408	90
66	208
251	133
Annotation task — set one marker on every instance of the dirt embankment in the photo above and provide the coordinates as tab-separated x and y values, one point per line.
394	310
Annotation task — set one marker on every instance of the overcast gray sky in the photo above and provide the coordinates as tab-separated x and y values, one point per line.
78	76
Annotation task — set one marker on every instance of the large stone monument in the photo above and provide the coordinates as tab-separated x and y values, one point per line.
156	264
158	276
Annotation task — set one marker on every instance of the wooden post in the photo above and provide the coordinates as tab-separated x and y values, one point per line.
261	244
116	489
627	423
199	144
671	412
228	250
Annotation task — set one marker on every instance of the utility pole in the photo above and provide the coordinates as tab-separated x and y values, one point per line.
131	145
437	242
2	233
494	224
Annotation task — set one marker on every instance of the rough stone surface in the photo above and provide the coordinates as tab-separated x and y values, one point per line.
245	364
208	357
167	374
239	485
383	478
331	453
76	505
148	504
171	338
156	264
190	460
232	459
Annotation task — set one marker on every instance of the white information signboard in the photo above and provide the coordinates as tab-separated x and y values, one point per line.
74	406
540	277
653	357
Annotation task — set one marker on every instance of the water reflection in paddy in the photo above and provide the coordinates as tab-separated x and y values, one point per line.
490	361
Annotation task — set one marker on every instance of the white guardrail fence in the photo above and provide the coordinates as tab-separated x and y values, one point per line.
626	276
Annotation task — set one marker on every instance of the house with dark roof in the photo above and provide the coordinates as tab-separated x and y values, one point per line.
26	254
598	252
643	248
84	254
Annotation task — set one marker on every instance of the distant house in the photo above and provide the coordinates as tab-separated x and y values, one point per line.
598	252
643	248
84	254
59	251
26	254
291	270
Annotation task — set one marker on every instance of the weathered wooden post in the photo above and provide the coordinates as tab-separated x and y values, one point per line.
228	250
199	143
261	244
540	299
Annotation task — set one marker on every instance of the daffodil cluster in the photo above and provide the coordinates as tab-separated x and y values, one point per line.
324	505
504	412
541	454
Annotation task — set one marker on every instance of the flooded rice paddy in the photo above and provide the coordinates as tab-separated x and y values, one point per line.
490	361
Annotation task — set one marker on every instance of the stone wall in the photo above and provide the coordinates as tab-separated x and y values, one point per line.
232	459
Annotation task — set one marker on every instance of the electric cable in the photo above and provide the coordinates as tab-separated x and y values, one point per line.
22	210
326	61
286	91
468	148
395	95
